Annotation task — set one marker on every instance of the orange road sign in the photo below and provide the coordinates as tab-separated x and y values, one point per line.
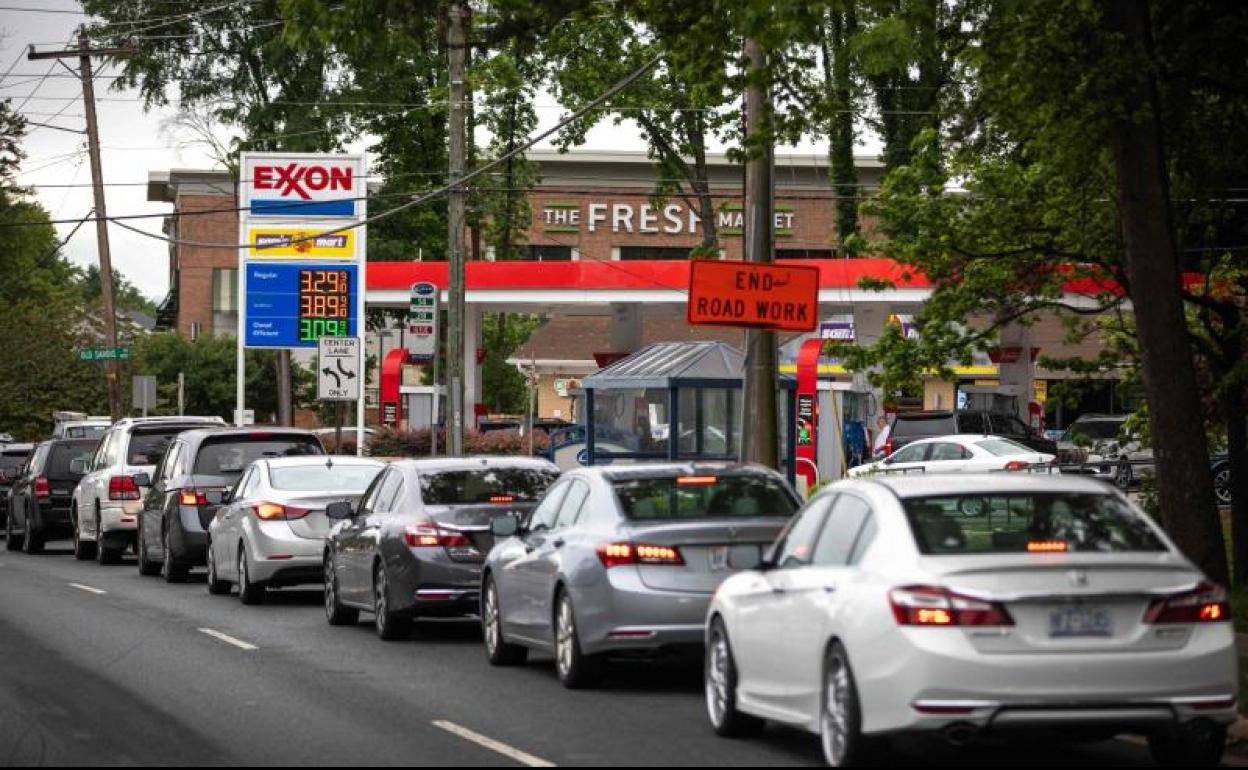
761	296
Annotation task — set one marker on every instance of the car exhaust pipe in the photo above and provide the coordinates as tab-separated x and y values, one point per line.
960	734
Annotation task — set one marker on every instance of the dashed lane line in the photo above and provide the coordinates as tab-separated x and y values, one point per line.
88	589
499	747
239	643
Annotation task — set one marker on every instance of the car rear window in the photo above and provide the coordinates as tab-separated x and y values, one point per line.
936	425
11	461
703	497
229	455
85	431
1003	447
65	452
315	478
485	485
1028	523
148	446
1096	430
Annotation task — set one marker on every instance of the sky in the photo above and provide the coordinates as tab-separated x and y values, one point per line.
133	142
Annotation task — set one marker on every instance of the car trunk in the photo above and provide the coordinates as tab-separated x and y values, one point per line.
61	480
473	522
712	549
212	487
315	525
1069	602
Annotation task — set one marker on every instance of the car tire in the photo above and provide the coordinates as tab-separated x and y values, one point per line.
32	542
170	569
335	613
498	650
390	625
840	713
12	540
147	567
719	676
249	591
575	669
1222	484
83	550
216	586
1198	743
103	554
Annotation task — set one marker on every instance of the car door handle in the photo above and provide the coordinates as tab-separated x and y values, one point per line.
778	590
558	542
829	589
529	548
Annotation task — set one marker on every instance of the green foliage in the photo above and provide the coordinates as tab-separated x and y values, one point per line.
502	385
389	442
125	295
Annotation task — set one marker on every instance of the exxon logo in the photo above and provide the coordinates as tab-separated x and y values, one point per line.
300	180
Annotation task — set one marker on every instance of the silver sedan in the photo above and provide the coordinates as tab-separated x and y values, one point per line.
624	559
270	529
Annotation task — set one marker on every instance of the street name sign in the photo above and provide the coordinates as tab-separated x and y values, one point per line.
338	369
104	354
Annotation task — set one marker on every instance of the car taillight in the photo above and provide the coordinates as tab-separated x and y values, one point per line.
195	496
278	512
618	554
122	488
935	606
888	446
1047	546
1016	465
427	534
1207	603
42	487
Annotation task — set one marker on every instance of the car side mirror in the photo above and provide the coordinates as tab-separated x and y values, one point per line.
504	526
339	511
227	496
77	466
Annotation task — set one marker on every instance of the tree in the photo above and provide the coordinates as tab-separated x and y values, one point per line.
125	295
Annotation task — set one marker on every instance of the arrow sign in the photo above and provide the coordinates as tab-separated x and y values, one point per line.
338	370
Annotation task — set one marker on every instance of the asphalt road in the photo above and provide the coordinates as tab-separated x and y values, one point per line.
101	666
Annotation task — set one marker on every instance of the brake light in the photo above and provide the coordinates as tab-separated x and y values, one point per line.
427	534
192	497
1207	603
618	554
923	605
1046	546
1016	465
277	512
501	498
122	488
684	481
42	487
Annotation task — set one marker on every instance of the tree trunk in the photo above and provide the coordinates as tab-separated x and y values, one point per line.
1184	480
285	407
1236	417
836	64
702	188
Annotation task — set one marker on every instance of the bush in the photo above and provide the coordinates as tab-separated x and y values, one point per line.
389	442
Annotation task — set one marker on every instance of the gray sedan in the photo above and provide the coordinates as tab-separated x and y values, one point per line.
415	544
624	559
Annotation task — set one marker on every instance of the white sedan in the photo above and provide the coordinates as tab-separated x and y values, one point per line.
974	605
960	454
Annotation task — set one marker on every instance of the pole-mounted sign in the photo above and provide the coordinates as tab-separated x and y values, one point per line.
338	369
421	339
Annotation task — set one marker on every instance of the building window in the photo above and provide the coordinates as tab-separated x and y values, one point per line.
550	253
653	252
225	301
806	253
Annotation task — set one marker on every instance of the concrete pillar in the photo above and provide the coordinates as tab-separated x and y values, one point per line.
1017	377
625	328
472	370
869	322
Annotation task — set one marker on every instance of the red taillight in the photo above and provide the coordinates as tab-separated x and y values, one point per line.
427	534
936	606
1016	465
122	488
42	487
192	497
277	512
618	554
888	446
1047	546
695	481
1207	603
501	498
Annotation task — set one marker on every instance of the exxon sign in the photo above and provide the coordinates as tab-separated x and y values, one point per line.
321	186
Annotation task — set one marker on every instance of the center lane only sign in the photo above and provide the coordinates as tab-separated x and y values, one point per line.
338	369
754	295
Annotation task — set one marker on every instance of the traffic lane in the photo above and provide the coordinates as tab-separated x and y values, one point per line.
159	690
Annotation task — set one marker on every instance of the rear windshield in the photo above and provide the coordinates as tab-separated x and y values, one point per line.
65	452
229	455
148	446
317	478
941	425
703	497
1003	447
487	485
11	461
85	431
1022	523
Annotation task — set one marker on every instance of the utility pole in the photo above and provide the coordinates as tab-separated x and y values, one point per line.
456	45
84	54
759	431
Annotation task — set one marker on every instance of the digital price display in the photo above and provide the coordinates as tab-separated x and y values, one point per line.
324	304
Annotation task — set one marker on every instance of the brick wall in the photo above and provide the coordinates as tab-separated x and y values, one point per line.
196	263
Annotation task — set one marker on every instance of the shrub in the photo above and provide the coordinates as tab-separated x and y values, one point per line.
389	442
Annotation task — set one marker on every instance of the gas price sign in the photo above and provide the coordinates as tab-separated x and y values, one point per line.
293	306
325	303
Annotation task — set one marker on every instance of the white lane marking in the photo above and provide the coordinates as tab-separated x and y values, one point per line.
88	589
522	757
239	643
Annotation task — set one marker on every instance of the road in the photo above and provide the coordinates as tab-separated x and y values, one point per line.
101	666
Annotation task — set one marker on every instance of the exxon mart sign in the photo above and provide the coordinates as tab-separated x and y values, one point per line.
287	186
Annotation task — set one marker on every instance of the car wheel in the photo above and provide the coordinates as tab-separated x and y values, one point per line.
1222	484
170	569
12	540
1199	743
576	670
82	549
720	682
248	592
103	554
335	612
147	567
32	543
390	625
840	718
497	649
216	586
1124	477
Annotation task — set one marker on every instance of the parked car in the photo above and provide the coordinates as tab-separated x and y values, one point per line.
912	426
415	545
625	558
108	499
1086	433
270	529
12	458
960	454
79	425
187	486
39	506
979	604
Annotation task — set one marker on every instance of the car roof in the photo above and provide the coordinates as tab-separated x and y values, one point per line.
15	449
673	469
988	483
436	464
196	434
304	460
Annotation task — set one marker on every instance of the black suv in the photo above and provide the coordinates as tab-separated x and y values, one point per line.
912	426
187	485
43	496
12	458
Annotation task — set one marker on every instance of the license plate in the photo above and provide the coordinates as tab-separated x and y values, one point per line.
1080	621
732	557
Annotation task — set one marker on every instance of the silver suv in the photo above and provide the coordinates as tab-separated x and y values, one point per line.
108	498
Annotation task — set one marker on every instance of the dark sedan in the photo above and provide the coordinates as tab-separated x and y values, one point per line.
42	497
416	543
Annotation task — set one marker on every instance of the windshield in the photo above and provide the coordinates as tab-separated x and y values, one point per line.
699	497
65	452
228	456
1028	523
315	478
1003	447
147	447
485	485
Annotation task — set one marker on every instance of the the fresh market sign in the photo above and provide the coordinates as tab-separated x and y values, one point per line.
647	219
